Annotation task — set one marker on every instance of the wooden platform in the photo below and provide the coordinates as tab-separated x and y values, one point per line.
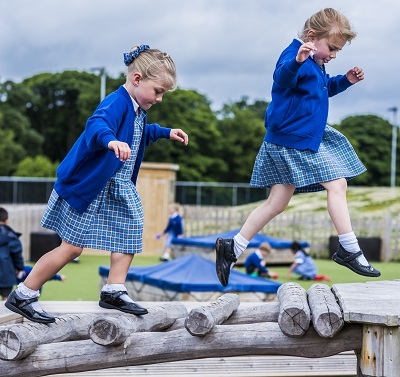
374	305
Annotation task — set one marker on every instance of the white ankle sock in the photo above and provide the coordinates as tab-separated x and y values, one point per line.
109	288
26	293
240	244
350	244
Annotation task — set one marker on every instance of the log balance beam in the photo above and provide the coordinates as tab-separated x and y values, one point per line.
320	322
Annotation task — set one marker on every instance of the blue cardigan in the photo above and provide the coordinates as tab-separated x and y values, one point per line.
297	114
89	164
253	261
174	226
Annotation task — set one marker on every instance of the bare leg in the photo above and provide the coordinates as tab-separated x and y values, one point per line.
119	267
50	264
339	213
337	205
276	203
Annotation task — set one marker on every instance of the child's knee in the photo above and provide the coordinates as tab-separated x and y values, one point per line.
75	251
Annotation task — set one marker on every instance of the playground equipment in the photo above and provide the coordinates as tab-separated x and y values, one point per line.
320	322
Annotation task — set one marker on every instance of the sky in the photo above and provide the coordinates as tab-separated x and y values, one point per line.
224	49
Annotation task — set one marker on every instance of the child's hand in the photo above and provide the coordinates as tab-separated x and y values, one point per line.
304	51
355	75
122	150
178	135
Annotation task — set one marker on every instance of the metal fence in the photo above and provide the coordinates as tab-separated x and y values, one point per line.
21	190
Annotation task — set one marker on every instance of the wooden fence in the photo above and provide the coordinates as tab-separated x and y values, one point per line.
314	227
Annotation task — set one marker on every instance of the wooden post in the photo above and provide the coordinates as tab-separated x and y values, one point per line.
201	321
108	331
326	315
294	312
380	353
19	341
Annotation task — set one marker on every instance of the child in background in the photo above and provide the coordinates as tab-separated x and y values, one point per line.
256	262
304	265
95	203
300	152
174	229
11	260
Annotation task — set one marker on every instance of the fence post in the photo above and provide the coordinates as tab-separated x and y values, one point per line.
386	238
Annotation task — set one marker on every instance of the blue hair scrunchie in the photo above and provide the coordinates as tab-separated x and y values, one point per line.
129	57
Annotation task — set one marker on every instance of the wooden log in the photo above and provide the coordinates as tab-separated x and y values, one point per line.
268	312
159	347
108	331
201	321
326	315
20	340
294	312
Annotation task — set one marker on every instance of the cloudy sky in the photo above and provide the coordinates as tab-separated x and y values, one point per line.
224	49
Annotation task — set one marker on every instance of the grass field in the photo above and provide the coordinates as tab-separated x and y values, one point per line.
82	283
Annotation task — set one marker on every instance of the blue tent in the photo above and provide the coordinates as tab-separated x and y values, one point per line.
257	240
194	273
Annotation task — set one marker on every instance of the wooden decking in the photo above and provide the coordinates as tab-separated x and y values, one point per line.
343	364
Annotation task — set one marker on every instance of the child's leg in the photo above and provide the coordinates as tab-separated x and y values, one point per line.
114	294
276	203
119	266
228	250
24	299
339	213
50	264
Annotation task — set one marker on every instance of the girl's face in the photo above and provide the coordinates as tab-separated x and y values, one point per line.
148	92
327	48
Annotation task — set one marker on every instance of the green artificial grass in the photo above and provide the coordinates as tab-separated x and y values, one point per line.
82	279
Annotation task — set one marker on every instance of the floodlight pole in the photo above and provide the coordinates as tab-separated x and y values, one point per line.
102	71
394	146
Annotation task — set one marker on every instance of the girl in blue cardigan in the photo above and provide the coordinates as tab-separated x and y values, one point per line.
95	203
300	153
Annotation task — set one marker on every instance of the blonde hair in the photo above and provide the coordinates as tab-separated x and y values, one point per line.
155	65
327	23
265	246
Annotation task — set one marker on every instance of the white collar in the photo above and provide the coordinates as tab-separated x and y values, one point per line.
135	104
259	254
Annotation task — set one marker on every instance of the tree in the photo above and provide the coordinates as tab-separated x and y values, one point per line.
10	152
39	166
370	136
242	127
190	111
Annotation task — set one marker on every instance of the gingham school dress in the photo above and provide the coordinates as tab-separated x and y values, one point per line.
113	221
335	159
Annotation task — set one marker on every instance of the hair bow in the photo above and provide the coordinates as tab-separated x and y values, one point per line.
129	57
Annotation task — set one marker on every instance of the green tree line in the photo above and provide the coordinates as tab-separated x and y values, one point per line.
42	116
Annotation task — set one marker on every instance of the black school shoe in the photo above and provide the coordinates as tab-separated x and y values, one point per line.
24	307
224	259
350	261
112	300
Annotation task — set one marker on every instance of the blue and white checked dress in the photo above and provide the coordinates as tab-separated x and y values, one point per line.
113	221
335	159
